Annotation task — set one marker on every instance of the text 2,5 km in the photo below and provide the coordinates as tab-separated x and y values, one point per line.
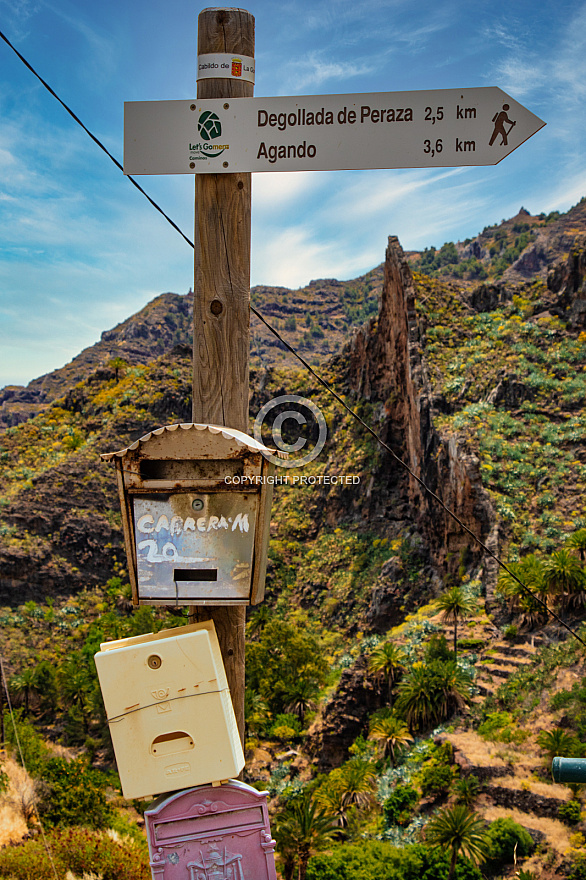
430	116
433	147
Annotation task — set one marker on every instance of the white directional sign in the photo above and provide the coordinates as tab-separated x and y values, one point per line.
418	129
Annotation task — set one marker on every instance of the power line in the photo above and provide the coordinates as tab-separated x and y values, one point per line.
307	365
94	138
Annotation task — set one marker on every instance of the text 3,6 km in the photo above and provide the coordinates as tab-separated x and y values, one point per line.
432	148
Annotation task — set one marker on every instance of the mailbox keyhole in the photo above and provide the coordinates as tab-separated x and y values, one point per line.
197	504
154	661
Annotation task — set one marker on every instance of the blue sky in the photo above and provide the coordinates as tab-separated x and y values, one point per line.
81	249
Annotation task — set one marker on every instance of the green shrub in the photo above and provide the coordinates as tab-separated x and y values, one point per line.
503	836
285	727
578	868
74	795
378	860
78	850
436	780
470	644
398	807
570	812
34	751
500	727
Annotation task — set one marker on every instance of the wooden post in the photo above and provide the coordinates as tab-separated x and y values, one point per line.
221	302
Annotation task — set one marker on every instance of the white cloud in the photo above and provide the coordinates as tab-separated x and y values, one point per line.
279	189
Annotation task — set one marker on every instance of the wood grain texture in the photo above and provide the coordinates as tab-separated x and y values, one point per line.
222	276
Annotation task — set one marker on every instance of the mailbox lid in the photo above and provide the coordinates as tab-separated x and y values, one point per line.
189	440
180	663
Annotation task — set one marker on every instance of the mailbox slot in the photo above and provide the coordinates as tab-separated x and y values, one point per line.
242	819
195	574
172	743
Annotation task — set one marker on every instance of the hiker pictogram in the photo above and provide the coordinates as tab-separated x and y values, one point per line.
500	120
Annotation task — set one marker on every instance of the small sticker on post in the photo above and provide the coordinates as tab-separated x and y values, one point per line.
225	66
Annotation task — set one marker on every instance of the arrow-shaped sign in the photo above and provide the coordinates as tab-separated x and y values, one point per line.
418	129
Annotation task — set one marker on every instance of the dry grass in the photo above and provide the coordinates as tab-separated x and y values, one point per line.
557	834
16	803
479	752
12	826
524	782
71	876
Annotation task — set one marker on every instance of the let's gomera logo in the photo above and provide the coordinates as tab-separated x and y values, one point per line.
286	410
209	126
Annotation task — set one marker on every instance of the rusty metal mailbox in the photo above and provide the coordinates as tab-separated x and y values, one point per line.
196	514
211	833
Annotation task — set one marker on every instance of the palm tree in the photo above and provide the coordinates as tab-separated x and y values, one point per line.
24	685
256	711
391	733
564	575
75	685
358	781
467	789
258	621
577	541
301	830
454	687
530	572
302	699
432	691
460	830
417	699
387	661
557	742
455	604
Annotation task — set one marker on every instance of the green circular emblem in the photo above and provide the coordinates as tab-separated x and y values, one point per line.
209	126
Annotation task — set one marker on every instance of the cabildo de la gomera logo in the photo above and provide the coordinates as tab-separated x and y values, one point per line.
209	128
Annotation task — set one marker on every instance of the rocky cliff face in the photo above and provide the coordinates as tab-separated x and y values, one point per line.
568	279
386	366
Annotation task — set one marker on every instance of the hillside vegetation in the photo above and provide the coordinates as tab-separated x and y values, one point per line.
402	713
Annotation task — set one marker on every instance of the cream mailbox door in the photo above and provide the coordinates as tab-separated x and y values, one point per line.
195	545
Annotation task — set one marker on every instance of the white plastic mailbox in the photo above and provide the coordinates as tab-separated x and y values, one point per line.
169	710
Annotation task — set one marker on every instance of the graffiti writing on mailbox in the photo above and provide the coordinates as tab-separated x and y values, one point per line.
192	539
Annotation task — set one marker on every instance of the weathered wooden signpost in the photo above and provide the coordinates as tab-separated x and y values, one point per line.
222	136
221	301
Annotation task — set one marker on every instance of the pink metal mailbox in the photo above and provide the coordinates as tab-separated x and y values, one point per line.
211	833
